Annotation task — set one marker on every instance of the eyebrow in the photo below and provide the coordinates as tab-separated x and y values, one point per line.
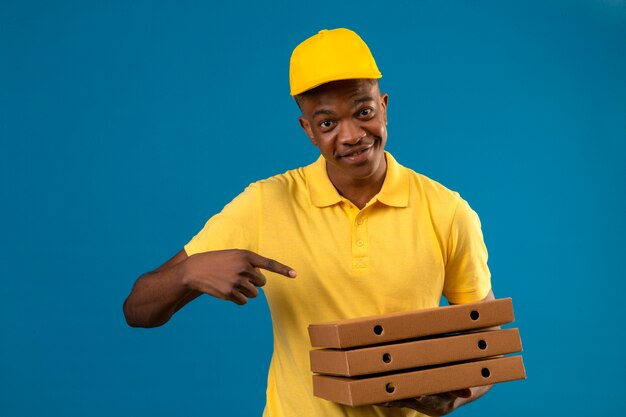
363	99
322	111
355	103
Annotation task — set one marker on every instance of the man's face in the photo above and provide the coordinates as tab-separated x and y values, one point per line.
347	121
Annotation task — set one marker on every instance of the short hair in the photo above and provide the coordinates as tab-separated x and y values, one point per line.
299	98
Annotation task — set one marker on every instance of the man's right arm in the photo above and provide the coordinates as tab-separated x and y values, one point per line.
232	275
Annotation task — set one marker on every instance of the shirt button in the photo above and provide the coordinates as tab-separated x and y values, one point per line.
359	242
359	221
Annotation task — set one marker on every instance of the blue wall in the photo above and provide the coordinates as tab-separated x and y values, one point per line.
125	125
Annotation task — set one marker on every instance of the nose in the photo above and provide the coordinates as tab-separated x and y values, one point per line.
350	133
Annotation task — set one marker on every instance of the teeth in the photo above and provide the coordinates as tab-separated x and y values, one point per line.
358	152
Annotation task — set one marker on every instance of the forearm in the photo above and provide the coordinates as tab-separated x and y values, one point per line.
231	274
156	296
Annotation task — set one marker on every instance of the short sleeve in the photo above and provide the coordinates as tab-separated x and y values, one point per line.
235	227
467	275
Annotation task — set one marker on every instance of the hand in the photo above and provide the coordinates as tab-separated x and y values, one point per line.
433	405
230	274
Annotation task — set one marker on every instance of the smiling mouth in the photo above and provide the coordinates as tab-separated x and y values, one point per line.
357	153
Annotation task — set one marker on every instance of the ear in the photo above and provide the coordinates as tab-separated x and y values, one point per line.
306	126
384	99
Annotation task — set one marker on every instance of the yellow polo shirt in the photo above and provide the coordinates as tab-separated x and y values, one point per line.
413	242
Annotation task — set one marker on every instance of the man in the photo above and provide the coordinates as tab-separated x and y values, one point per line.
366	235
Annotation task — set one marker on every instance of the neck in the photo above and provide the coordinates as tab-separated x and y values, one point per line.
360	191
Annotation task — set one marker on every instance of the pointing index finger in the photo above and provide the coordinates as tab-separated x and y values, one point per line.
271	265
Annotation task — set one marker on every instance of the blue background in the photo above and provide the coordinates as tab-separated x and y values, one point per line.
125	125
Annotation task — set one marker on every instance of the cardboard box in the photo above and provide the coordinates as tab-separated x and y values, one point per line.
393	357
408	325
376	390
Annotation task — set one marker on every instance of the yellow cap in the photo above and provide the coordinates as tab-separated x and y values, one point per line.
331	55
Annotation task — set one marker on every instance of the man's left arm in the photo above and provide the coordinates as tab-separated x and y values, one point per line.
467	279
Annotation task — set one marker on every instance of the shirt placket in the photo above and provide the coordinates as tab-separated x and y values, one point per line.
359	238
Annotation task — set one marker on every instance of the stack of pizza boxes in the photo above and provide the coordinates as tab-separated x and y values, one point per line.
377	359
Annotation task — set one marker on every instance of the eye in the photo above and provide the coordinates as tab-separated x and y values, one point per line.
366	112
325	124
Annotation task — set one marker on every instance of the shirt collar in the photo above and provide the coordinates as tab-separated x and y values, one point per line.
394	192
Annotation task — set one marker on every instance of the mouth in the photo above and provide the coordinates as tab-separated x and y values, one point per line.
356	152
